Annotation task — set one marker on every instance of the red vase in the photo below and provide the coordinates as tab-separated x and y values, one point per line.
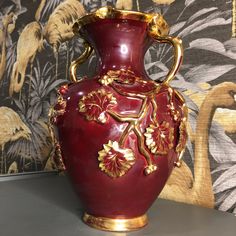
120	133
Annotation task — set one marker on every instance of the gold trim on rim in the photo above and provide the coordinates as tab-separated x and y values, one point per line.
155	21
118	225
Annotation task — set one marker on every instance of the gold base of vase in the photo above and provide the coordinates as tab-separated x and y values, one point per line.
118	225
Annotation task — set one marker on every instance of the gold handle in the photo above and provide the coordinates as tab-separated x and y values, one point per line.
87	52
178	54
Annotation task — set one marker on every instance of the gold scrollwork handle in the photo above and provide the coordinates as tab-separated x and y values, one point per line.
85	55
178	54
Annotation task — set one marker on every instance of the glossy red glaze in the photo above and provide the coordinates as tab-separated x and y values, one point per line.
120	44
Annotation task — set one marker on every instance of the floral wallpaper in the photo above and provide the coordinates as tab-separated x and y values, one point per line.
37	46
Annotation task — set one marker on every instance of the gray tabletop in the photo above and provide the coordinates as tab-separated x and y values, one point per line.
48	206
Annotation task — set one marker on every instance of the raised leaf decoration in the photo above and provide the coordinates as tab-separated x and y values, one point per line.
114	160
94	105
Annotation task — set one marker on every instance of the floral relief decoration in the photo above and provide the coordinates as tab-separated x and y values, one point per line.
159	138
182	137
94	105
114	160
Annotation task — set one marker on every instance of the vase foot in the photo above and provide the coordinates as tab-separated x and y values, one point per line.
118	225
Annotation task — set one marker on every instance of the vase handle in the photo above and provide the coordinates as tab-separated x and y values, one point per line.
178	54
74	64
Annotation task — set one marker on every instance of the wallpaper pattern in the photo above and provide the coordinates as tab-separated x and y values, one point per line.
37	45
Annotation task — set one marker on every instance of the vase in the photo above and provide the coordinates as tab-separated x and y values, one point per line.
119	134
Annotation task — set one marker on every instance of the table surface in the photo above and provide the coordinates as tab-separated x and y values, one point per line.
48	206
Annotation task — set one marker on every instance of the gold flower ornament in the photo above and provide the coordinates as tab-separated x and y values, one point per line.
114	160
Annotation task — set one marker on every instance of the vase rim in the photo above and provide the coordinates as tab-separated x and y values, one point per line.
108	12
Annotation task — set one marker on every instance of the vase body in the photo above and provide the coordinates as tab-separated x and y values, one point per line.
120	134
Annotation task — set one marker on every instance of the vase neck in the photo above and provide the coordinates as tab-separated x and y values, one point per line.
119	44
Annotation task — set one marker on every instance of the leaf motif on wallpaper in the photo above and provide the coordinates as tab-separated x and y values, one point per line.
200	13
211	20
227	175
206	73
222	167
213	45
230	45
190	103
214	19
180	82
228	202
176	27
183	84
11	58
221	196
43	84
214	22
189	2
45	8
226	182
222	148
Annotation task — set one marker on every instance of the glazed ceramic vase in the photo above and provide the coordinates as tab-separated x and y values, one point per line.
120	133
